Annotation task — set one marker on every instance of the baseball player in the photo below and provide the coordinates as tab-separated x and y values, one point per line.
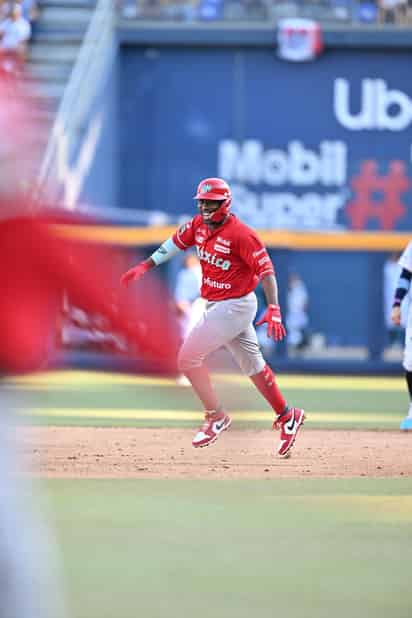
402	289
233	261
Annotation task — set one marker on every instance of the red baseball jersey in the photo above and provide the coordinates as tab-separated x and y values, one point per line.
232	257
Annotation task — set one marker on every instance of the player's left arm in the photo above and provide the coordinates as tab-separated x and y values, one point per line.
256	255
270	289
272	315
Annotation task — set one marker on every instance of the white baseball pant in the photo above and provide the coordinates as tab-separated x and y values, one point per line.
407	352
225	323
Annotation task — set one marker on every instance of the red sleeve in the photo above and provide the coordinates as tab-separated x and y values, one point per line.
255	255
184	237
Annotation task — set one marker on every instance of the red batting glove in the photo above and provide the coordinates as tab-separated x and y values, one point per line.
273	318
134	273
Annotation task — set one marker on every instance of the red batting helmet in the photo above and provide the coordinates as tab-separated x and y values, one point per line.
218	190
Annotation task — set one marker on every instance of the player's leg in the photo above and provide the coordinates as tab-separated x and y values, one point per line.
220	323
246	351
201	341
195	314
406	424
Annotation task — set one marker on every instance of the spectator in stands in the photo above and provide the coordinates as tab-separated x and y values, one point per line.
404	12
388	11
149	9
210	10
255	9
15	32
234	10
367	11
31	12
5	7
180	10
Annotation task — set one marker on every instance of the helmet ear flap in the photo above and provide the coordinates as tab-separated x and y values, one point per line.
222	212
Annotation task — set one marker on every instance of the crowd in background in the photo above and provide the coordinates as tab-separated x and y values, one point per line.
346	11
17	19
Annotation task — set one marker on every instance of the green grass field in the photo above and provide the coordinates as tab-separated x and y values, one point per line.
229	549
236	548
74	398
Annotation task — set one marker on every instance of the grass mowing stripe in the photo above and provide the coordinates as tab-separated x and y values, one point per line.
237	400
328	383
308	382
78	379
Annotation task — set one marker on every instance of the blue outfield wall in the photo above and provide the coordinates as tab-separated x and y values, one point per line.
339	302
317	146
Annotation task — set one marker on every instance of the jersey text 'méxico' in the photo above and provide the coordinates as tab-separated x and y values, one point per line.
232	257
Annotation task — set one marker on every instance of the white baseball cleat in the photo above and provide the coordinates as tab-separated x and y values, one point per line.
289	424
214	424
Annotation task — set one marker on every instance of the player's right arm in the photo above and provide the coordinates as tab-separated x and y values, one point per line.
182	239
401	291
403	284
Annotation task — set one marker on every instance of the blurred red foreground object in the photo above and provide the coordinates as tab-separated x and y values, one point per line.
38	263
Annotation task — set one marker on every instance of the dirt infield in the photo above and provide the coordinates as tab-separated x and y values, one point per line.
87	452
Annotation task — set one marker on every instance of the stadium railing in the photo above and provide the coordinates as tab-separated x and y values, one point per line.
86	80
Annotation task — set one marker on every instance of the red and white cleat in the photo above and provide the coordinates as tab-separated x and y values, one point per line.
288	424
214	424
